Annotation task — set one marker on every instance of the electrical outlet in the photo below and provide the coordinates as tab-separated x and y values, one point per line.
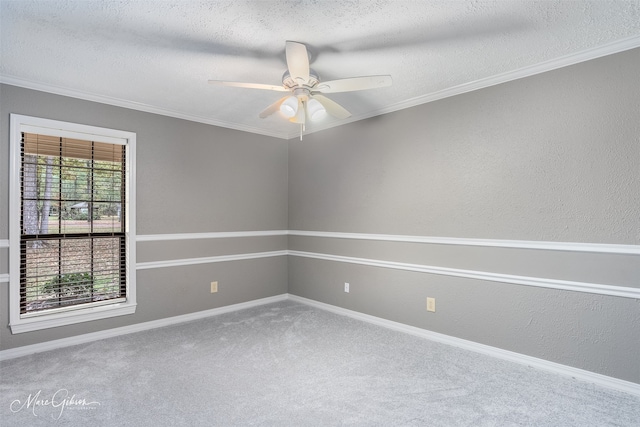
346	287
431	304
214	287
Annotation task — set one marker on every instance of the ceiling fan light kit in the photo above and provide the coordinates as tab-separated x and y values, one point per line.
305	99
315	110
289	106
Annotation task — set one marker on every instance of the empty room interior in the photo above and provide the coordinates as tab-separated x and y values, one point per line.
454	241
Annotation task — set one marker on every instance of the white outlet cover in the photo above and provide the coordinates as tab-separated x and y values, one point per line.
346	287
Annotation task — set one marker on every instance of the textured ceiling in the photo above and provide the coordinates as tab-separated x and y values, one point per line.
158	55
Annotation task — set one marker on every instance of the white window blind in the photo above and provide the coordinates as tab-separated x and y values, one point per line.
72	222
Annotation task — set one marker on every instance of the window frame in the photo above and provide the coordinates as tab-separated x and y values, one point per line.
25	323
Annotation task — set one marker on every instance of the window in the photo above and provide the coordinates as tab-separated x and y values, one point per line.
72	240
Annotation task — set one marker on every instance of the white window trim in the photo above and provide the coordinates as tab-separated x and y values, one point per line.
20	323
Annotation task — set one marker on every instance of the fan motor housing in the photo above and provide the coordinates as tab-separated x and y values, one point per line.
290	83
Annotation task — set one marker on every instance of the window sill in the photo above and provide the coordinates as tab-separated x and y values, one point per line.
71	317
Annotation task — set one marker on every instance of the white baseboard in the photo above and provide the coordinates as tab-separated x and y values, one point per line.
138	327
534	362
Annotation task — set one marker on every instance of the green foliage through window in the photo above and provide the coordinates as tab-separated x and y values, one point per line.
70	284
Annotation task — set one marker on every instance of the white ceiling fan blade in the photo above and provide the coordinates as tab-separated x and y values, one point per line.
353	84
249	85
272	108
332	107
301	115
297	62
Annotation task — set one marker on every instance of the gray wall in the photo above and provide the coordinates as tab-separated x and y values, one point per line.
191	178
554	157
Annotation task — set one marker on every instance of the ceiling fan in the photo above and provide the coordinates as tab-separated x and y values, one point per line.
305	99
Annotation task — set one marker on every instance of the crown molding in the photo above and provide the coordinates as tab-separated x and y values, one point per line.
531	70
133	105
520	73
